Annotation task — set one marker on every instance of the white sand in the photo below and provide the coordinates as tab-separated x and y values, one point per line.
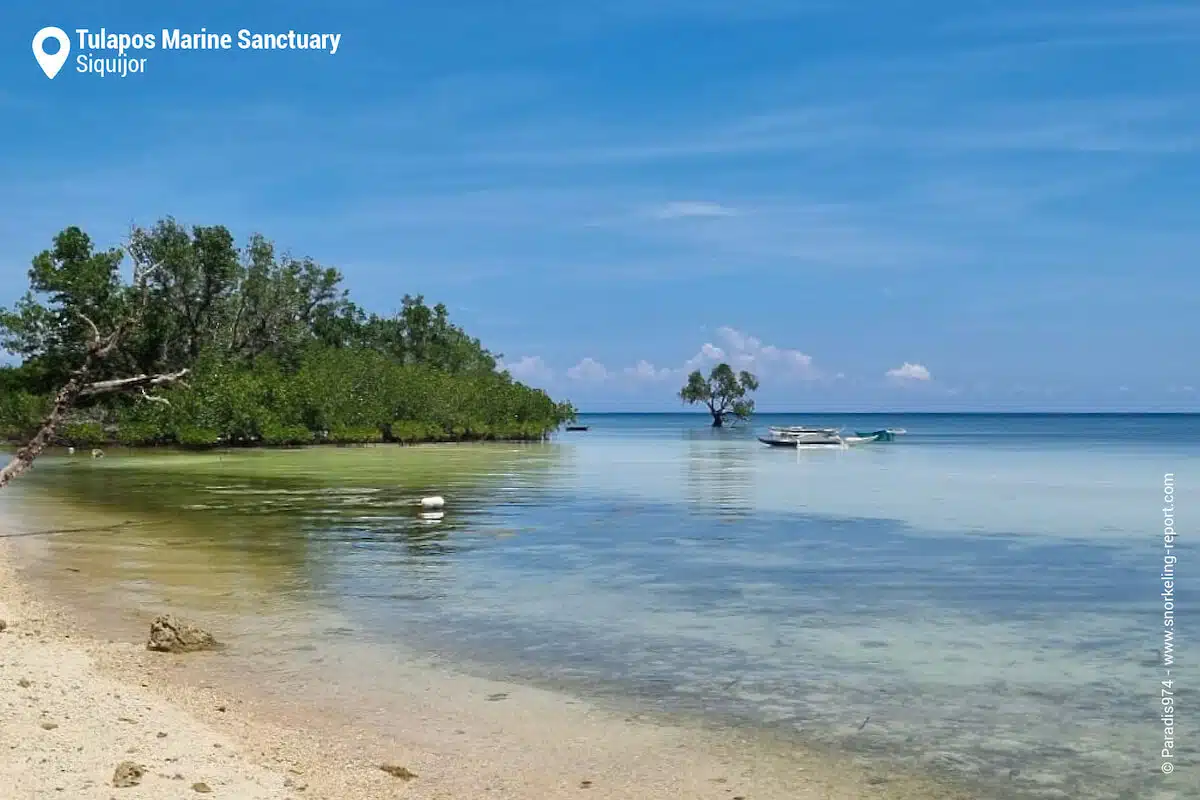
64	726
111	700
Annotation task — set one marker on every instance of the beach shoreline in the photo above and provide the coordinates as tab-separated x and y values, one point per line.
110	700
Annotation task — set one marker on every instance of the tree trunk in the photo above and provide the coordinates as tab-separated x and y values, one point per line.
98	348
63	402
718	419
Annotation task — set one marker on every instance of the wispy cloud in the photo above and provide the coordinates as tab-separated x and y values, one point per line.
692	208
684	11
1166	17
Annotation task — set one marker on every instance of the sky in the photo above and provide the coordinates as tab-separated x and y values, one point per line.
873	206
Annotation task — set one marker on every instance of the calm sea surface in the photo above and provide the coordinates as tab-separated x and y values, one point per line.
980	598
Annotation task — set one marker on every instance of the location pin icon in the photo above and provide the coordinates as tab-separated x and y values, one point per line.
51	63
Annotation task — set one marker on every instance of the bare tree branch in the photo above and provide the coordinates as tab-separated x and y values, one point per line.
95	331
135	382
151	398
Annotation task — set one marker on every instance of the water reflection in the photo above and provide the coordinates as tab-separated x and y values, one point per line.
719	474
311	520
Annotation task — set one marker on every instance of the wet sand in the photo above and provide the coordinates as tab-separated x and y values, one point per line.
462	737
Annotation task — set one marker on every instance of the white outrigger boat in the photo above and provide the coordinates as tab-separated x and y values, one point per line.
804	436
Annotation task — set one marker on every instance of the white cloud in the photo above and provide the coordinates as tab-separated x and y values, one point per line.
744	352
909	372
644	370
588	369
693	208
741	351
709	354
528	368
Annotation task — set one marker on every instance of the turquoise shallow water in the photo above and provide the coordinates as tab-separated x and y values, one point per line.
980	598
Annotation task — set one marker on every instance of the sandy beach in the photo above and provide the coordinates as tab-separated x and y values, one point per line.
74	707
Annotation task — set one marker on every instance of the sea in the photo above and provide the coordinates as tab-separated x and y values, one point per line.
993	598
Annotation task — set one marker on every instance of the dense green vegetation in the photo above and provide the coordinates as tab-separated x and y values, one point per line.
723	392
277	351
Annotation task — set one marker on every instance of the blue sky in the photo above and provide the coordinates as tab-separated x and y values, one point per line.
927	205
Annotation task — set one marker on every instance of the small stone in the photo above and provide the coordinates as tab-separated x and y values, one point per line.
585	784
128	774
403	773
162	735
202	788
24	683
221	709
49	726
3	626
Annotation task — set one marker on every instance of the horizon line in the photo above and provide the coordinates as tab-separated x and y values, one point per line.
1046	412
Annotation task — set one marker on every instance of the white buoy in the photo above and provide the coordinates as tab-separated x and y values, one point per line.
97	453
70	451
433	502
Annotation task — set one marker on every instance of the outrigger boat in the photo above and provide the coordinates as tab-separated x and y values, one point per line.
801	436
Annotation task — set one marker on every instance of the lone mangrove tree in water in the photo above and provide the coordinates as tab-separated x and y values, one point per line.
723	391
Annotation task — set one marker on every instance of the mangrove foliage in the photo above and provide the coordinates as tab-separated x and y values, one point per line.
273	349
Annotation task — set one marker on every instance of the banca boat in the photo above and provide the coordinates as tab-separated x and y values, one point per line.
803	436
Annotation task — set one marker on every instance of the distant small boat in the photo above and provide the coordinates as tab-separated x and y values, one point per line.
883	435
577	427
